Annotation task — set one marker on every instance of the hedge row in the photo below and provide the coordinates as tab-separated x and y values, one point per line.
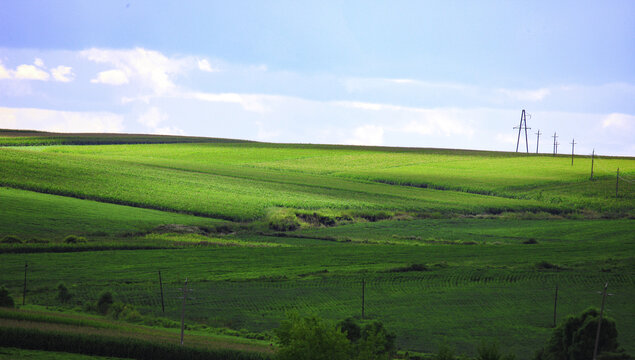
110	346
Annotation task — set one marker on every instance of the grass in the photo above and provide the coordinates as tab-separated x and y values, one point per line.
208	194
453	245
16	353
50	217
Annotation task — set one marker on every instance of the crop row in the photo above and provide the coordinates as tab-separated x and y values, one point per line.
224	196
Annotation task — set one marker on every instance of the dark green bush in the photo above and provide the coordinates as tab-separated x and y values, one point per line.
11	239
445	352
490	351
72	239
575	338
5	299
308	338
63	295
104	302
413	267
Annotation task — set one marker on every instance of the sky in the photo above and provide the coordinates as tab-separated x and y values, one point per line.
445	74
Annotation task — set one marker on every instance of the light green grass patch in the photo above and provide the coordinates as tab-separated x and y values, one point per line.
201	240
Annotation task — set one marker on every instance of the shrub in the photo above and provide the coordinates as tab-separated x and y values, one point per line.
311	338
575	338
413	267
283	220
547	265
126	312
72	239
445	352
490	351
11	239
63	295
351	329
375	343
5	299
104	302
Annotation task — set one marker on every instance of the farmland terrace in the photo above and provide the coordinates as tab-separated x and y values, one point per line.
452	246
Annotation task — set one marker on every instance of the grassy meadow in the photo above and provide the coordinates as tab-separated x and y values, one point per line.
453	246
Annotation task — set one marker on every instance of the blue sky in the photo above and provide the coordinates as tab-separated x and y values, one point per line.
452	74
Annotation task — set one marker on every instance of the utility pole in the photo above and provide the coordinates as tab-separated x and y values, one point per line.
24	288
555	144
520	127
363	293
592	158
597	335
555	300
161	288
537	140
572	148
183	310
617	185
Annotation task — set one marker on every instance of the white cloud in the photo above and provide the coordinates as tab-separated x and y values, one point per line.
30	72
153	118
111	77
526	95
618	121
265	134
204	65
63	73
421	121
249	102
60	121
507	138
367	135
151	68
37	72
4	73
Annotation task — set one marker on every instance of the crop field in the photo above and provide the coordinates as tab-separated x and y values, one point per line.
452	246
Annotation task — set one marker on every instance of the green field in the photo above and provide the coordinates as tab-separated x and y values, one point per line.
263	229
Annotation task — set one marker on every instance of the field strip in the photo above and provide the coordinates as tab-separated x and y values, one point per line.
141	333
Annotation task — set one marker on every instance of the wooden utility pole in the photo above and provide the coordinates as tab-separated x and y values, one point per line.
363	294
555	144
520	127
617	184
161	288
183	310
592	158
537	140
24	288
572	149
597	334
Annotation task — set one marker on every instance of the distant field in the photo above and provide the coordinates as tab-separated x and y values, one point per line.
453	245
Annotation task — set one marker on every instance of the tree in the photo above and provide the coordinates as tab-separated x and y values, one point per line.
104	302
311	338
490	351
63	295
575	338
5	299
375	343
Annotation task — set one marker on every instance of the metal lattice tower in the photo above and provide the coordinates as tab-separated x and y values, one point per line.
520	127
